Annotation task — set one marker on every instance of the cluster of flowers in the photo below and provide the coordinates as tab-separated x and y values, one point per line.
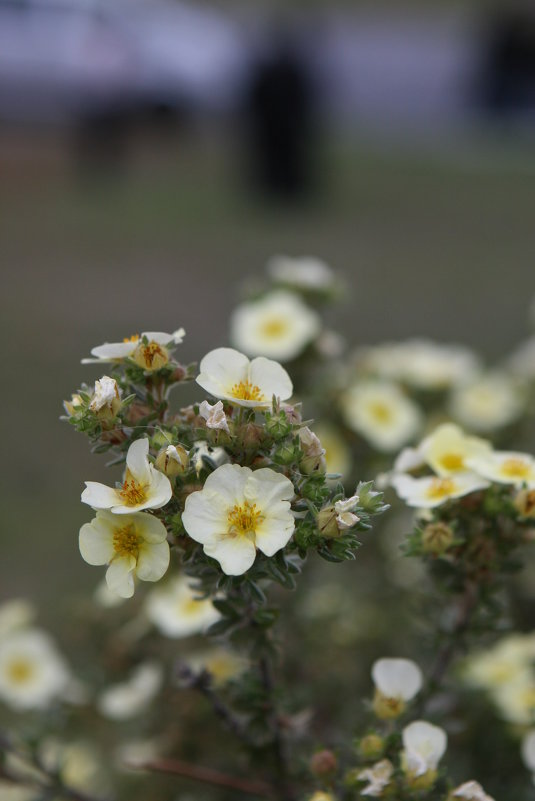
397	763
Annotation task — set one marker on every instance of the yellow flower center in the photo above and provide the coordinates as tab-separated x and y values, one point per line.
381	412
243	518
126	541
247	391
275	327
133	338
20	671
440	488
515	468
132	493
152	356
452	461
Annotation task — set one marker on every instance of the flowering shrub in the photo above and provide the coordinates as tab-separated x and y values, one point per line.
193	669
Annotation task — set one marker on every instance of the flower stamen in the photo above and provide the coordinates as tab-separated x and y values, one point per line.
243	518
245	390
132	492
126	541
515	468
440	488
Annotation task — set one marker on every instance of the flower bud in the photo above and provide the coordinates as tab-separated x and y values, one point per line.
371	746
313	460
524	503
285	453
370	500
250	436
324	764
106	400
172	460
73	406
327	523
437	538
278	426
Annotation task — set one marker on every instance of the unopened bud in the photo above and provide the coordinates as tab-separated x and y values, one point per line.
371	746
172	460
73	406
324	764
437	538
250	436
327	523
285	453
106	400
278	426
313	460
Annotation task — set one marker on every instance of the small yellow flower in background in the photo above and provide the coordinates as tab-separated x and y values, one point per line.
471	791
32	672
74	405
505	467
131	698
151	355
229	375
238	511
143	486
421	363
515	699
305	272
432	491
487	403
15	614
397	681
337	453
176	611
221	663
278	325
214	415
133	545
382	414
321	796
378	778
447	448
508	660
424	746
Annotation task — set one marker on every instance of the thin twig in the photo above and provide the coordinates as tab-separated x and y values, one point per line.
279	741
210	776
202	682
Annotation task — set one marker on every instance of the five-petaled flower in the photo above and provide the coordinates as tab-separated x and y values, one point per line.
149	350
229	375
238	511
131	545
143	487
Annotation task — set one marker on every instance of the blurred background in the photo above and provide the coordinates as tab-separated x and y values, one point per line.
153	155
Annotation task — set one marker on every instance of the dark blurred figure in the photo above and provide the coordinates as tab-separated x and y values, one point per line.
279	109
508	75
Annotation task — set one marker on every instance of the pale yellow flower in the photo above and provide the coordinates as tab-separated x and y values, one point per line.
32	673
150	350
228	374
505	467
431	491
278	325
238	511
133	546
382	414
143	486
488	402
424	746
176	610
447	448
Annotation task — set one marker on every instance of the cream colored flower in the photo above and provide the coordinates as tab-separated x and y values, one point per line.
131	698
431	491
175	609
149	350
77	763
378	778
423	364
238	511
32	673
506	662
74	405
278	325
516	699
471	791
305	272
345	517
447	448
143	486
227	374
382	414
222	664
488	402
505	467
214	415
424	746
133	545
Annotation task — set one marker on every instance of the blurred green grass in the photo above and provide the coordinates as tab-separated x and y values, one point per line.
433	240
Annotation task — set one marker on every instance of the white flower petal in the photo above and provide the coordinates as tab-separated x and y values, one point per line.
234	554
96	546
397	678
153	561
220	369
120	576
274	533
271	378
99	496
137	460
114	350
205	516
